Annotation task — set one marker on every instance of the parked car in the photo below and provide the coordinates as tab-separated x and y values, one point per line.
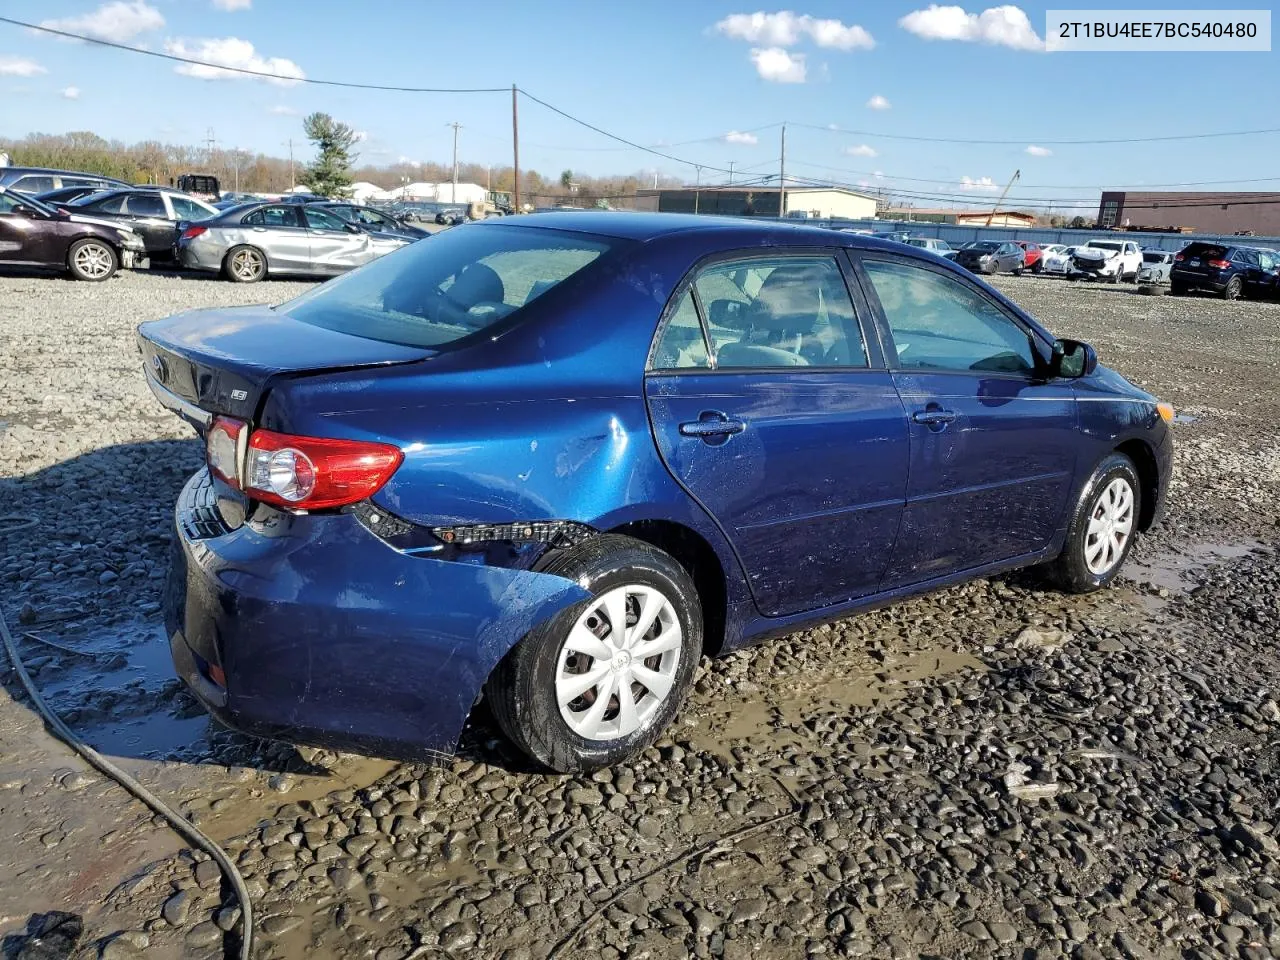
34	180
153	213
1055	258
421	210
1231	272
253	241
63	195
443	476
231	199
935	246
991	256
1156	267
451	215
1031	255
1112	260
375	221
898	236
33	234
300	198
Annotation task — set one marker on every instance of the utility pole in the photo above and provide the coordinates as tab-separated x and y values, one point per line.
1008	186
292	182
782	177
456	127
515	150
730	173
697	186
210	142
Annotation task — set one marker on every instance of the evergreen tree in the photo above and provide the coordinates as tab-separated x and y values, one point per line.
330	173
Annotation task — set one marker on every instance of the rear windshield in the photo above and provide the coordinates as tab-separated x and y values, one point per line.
1209	251
981	245
1155	257
449	286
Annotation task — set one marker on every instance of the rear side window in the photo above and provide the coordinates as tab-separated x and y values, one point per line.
939	323
459	283
185	209
33	184
780	312
682	345
146	205
283	216
114	203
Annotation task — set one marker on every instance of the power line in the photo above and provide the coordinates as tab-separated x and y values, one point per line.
1056	143
263	74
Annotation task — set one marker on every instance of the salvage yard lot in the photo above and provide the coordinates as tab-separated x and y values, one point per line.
982	772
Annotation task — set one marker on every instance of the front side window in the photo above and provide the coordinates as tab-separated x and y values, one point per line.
146	205
463	281
324	220
9	203
780	312
370	218
939	323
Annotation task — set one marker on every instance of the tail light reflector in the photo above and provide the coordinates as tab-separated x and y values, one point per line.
311	473
192	232
1219	264
222	449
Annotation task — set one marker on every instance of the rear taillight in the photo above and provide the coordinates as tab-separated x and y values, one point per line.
310	473
1178	258
192	232
222	449
1219	264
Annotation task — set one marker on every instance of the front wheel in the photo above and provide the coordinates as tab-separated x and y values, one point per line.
602	679
1102	529
92	260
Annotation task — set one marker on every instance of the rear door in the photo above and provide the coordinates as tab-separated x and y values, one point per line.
993	444
279	232
334	248
148	215
772	408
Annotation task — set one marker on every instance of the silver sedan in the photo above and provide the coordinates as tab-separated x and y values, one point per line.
249	242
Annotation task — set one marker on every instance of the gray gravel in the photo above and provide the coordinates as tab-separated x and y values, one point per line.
995	770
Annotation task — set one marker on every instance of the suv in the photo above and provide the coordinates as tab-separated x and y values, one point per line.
1113	260
35	180
1229	271
933	245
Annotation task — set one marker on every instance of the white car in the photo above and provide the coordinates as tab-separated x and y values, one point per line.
1112	260
1055	259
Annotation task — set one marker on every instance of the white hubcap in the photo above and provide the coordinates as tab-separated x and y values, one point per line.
618	664
93	260
1110	526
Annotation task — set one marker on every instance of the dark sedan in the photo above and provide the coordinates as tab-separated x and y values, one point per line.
992	256
67	194
443	475
373	220
33	234
153	214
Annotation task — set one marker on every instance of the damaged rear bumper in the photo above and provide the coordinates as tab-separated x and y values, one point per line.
311	629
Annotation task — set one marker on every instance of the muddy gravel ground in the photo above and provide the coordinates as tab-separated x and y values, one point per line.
994	770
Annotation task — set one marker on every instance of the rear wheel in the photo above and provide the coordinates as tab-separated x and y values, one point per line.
1177	288
1102	529
1233	289
1017	271
601	680
92	260
244	264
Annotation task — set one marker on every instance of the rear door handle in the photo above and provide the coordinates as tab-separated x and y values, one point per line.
933	417
717	425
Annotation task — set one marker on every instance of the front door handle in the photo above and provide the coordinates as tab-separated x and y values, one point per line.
933	417
712	425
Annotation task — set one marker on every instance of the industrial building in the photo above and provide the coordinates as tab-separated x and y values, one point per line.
967	217
757	201
1232	212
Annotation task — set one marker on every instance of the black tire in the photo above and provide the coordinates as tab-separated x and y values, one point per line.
522	689
1017	271
992	268
1069	571
1038	266
1118	275
244	264
1233	290
92	260
1177	289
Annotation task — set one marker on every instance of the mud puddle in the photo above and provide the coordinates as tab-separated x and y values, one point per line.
1172	569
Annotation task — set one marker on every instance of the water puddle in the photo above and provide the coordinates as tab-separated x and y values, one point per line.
1171	569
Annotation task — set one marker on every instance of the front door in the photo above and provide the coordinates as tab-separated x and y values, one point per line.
22	235
334	248
992	441
774	411
279	232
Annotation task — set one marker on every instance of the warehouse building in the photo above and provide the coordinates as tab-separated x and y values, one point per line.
754	201
966	217
1232	212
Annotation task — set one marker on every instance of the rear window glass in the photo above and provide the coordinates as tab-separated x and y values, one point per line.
981	245
1213	251
442	289
1154	257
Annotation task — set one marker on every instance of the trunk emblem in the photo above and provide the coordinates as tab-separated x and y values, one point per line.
159	366
239	394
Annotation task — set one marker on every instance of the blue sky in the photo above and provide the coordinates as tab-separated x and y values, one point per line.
659	73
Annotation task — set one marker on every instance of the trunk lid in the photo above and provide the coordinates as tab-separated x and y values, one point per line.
221	361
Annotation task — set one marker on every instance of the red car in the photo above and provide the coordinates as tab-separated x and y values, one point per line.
1033	254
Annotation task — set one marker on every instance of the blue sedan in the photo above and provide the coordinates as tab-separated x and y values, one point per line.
554	460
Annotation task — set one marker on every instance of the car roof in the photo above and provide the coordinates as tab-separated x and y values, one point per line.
59	171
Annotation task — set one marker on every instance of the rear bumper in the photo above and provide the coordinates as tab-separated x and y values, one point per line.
1200	281
326	635
198	256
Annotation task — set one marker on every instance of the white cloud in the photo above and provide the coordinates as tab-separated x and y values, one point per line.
118	22
776	64
410	161
982	184
1035	151
861	150
71	93
786	29
1006	26
231	52
280	110
745	139
19	67
877	103
232	5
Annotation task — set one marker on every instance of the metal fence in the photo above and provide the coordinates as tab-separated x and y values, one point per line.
957	235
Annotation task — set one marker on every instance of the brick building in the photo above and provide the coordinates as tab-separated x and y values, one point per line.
1225	212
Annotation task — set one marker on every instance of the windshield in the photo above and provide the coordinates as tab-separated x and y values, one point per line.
1104	245
14	199
984	245
435	292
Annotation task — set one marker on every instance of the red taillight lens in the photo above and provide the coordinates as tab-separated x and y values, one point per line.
222	449
1178	258
192	232
1219	264
310	473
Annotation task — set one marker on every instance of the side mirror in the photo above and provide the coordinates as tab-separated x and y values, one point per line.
352	228
29	212
1072	359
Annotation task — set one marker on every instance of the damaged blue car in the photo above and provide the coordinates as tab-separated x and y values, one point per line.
552	461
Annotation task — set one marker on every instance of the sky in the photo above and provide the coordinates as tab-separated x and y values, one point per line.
707	82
